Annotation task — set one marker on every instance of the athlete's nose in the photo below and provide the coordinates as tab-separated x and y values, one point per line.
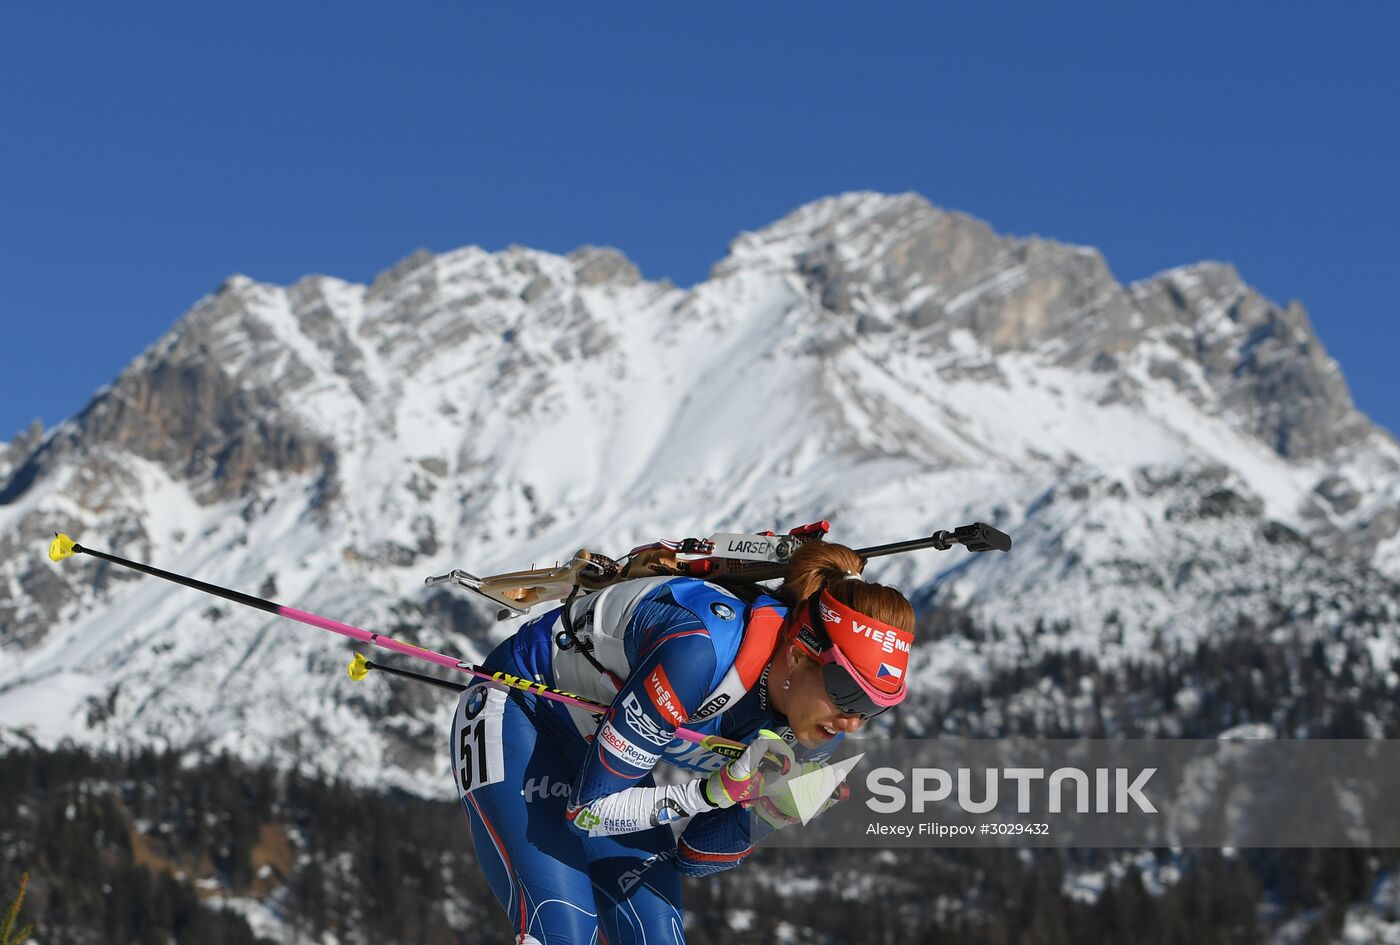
849	723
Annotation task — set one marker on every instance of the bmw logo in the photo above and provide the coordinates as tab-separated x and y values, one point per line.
476	699
722	611
666	811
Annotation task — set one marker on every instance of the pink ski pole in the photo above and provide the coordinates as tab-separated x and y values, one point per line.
63	547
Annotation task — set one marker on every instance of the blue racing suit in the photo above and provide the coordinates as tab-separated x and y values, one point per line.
573	832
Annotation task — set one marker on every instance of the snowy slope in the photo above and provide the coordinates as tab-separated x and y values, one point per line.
869	359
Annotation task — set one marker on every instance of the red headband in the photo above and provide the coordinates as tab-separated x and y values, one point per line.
874	653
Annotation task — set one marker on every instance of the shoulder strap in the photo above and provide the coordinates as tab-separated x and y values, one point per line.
760	637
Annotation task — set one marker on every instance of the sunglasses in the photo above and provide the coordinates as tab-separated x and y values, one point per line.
847	691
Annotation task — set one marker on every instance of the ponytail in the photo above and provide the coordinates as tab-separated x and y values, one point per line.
825	565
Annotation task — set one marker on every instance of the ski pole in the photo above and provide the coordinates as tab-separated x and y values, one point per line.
359	668
63	547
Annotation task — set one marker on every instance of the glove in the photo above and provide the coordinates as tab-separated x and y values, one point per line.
767	757
779	806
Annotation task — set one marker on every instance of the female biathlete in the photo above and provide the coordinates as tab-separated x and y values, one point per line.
572	830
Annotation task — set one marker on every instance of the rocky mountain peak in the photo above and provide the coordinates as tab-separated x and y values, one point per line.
900	263
598	265
897	264
1260	361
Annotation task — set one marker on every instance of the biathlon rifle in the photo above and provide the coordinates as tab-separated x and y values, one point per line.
723	557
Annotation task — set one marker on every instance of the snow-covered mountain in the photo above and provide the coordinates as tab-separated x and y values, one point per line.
1169	455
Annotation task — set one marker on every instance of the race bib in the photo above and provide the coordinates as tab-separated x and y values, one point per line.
476	738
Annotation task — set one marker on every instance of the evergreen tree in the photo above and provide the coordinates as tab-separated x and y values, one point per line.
8	934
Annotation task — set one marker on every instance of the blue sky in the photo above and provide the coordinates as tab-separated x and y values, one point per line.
149	150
